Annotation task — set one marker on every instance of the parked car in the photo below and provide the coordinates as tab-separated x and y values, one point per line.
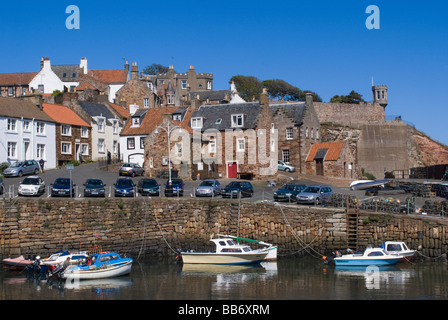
124	187
148	187
288	192
131	169
174	187
63	187
20	168
2	186
314	194
32	186
208	188
283	166
234	188
94	188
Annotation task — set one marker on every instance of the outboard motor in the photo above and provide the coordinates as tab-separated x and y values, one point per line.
329	259
35	266
60	268
179	256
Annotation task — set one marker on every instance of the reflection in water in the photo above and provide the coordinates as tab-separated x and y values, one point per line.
286	279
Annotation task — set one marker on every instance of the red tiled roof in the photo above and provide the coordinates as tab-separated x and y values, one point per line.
16	78
124	112
62	114
109	76
334	150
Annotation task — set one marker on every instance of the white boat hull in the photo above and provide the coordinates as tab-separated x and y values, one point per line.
99	273
222	258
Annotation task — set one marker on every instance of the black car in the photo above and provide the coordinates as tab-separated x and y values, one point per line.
62	187
288	192
2	186
124	187
174	187
234	188
148	187
94	188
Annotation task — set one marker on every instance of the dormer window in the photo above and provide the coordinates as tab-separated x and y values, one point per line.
237	120
196	123
170	98
136	121
218	121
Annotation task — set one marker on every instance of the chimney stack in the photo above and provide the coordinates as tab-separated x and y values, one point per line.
264	98
134	71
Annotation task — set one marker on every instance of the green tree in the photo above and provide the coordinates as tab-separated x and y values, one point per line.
248	87
154	69
353	98
282	90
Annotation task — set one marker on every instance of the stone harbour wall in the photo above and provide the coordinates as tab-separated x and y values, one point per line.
157	227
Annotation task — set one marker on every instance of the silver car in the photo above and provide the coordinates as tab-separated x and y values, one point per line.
21	168
314	194
208	188
131	169
32	186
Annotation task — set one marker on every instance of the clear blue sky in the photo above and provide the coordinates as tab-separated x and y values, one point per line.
323	46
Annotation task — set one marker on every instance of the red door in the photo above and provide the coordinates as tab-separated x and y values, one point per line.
232	169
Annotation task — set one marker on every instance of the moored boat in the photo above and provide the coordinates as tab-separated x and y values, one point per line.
59	257
398	248
19	263
370	257
101	266
367	184
272	250
226	252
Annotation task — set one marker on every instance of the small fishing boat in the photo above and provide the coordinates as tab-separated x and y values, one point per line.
272	250
19	263
99	266
398	248
57	258
368	184
226	252
370	257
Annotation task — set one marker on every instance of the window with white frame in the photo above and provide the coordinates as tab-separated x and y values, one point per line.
170	98
273	145
237	120
12	125
146	102
209	85
285	156
101	124
135	122
85	149
212	146
40	151
10	91
40	127
142	142
317	133
131	143
177	117
115	126
240	145
179	149
66	130
101	145
66	148
12	149
26	125
289	133
196	123
184	84
115	147
84	132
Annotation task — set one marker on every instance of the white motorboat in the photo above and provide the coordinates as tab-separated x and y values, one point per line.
226	252
103	265
370	257
272	250
368	184
59	257
398	248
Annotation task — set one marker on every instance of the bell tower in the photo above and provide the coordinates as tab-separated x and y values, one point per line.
380	95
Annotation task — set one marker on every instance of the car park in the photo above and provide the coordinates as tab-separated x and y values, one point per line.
314	194
63	187
208	188
21	168
235	188
288	192
131	169
174	187
124	187
148	187
94	188
283	166
32	186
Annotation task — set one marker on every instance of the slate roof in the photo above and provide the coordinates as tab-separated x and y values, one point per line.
295	110
213	95
63	114
211	113
69	70
17	108
96	110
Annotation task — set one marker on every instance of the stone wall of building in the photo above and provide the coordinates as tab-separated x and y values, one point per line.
350	114
160	226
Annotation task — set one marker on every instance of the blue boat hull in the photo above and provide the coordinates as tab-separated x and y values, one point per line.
366	262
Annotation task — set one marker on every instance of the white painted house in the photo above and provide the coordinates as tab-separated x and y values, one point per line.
26	132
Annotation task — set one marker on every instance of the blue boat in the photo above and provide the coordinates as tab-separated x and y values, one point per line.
100	266
370	257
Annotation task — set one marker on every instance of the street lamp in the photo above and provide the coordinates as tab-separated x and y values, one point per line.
168	129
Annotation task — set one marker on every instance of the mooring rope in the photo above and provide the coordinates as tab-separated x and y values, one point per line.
163	236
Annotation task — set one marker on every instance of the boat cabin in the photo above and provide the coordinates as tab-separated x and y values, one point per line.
394	246
229	246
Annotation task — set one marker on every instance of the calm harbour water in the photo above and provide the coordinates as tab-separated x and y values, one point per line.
296	278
